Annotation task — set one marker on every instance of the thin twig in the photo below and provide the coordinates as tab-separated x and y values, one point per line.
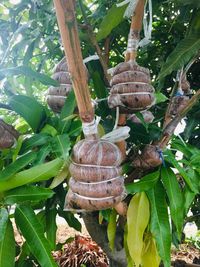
94	42
169	129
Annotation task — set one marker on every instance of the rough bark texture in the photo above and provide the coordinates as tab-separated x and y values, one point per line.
99	234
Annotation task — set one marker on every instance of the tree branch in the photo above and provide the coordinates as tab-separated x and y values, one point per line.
170	128
94	42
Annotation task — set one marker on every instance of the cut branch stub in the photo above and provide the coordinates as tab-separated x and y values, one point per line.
150	158
8	135
131	89
96	181
56	96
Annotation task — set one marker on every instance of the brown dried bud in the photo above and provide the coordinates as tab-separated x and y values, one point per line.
150	158
8	135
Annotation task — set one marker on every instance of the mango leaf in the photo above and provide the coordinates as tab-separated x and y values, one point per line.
194	3
147	182
61	146
51	226
70	219
113	18
31	110
66	112
32	231
69	106
34	141
150	257
16	166
184	51
175	196
27	193
159	225
35	174
137	220
188	199
111	230
28	72
61	176
3	222
170	158
7	246
130	262
160	97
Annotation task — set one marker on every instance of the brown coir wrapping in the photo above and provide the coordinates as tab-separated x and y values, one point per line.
130	88
150	158
56	96
8	135
96	181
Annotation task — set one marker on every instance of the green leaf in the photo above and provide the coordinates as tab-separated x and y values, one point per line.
61	146
28	72
69	106
61	176
147	182
7	246
138	215
130	262
184	51
34	141
175	198
160	97
31	110
194	3
110	21
70	219
170	158
51	226
159	225
35	174
3	222
16	166
188	199
150	257
27	193
32	231
111	230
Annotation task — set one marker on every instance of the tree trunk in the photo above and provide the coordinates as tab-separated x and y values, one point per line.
117	258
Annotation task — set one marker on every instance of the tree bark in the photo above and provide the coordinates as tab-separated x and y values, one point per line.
98	232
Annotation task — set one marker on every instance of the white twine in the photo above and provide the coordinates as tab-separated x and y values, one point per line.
130	8
114	136
102	182
117	135
90	58
99	198
90	128
147	27
179	79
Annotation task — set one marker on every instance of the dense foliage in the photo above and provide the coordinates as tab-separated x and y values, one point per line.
35	170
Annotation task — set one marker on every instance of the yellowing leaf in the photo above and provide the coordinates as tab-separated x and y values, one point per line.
111	230
150	257
137	220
